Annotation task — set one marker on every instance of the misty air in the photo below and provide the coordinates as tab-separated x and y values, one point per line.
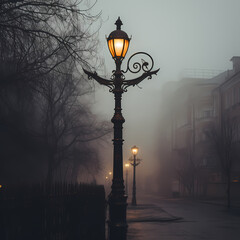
119	120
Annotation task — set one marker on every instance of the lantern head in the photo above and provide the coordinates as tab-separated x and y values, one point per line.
118	42
134	150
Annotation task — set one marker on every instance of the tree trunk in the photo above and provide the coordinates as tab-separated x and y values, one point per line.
228	191
49	179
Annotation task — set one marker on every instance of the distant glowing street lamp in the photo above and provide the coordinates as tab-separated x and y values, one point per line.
134	162
126	185
134	150
118	43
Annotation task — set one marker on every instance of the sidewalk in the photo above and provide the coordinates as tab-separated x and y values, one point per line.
157	218
148	213
221	202
142	220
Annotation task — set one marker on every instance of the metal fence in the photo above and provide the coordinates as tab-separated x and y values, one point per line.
59	212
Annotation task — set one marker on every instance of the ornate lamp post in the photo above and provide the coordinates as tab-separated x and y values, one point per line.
118	43
134	162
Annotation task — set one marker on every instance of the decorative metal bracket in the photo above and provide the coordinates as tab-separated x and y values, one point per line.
137	161
136	81
136	67
100	80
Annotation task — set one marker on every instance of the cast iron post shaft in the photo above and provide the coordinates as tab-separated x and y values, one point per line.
134	201
117	199
126	184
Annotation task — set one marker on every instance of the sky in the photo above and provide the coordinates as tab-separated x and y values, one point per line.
179	35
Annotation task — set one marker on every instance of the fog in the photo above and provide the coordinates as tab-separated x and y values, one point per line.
56	136
179	35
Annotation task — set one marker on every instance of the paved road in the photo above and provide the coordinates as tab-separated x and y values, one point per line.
178	219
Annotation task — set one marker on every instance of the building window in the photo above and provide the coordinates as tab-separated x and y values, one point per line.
239	94
204	162
226	101
214	106
229	99
235	100
207	113
237	133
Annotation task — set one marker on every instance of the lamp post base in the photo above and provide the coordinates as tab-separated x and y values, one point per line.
117	225
134	202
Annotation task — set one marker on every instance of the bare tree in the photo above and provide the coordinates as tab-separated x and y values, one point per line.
67	123
223	138
187	169
43	95
34	33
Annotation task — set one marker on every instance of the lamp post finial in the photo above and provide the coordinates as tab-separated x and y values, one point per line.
118	23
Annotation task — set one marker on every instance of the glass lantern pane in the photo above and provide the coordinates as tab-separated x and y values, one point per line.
118	45
110	46
125	48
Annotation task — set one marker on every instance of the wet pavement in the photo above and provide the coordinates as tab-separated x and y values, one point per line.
149	213
177	219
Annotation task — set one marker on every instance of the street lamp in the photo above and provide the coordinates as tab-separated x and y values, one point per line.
108	183
134	150
126	185
118	43
134	162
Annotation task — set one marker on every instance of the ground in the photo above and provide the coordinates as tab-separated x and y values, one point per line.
157	218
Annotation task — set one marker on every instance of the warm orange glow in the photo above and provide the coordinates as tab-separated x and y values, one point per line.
111	48
134	150
118	47
110	173
106	177
127	165
125	48
0	186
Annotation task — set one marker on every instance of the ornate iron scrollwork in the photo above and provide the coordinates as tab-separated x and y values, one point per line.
135	67
100	80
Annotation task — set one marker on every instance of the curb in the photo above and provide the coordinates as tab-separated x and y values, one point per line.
155	220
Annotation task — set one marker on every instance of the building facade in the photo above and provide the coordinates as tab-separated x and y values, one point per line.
191	108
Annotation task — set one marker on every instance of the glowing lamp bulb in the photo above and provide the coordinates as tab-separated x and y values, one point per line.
134	150
118	42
